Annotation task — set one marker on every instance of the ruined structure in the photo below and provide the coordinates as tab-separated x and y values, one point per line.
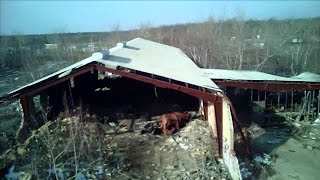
153	78
135	73
271	91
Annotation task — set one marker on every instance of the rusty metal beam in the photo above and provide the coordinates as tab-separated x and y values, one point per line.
219	123
205	110
269	86
25	107
206	96
58	81
33	89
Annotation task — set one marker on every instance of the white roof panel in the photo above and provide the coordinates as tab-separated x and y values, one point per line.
146	56
244	75
159	59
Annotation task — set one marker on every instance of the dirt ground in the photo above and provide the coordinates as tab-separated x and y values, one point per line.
297	162
50	153
290	153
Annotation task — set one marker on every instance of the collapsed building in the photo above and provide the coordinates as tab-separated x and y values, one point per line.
148	77
299	95
135	73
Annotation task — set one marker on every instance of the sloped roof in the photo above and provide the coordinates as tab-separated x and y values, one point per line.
141	55
159	59
244	75
307	76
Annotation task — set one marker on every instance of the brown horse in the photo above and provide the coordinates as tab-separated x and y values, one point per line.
171	122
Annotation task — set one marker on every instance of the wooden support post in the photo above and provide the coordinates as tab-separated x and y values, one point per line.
251	95
212	119
311	104
265	99
258	95
278	105
205	110
286	103
305	105
307	112
318	103
25	107
219	119
292	108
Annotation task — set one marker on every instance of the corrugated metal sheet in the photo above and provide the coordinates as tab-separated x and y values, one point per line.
243	75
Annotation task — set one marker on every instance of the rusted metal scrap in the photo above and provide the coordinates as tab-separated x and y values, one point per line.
172	122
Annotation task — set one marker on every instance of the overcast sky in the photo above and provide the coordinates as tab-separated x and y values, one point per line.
39	17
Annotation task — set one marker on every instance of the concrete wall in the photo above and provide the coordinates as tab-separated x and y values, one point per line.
228	152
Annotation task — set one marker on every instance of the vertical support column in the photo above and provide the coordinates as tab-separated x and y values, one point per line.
218	113
292	108
27	117
205	110
312	105
265	99
286	102
258	95
318	104
251	95
309	96
212	119
25	107
228	152
278	102
201	108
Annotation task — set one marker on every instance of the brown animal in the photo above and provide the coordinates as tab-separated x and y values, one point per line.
171	122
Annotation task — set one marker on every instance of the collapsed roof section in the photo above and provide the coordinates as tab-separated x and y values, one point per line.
263	81
138	56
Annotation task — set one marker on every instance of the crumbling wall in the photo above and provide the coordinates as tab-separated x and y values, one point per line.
228	152
220	119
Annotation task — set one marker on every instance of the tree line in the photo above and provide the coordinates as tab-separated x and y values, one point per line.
282	47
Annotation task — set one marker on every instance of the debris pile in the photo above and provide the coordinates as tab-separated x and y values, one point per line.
80	147
189	153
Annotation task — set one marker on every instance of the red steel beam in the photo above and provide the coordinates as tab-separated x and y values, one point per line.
269	86
57	81
219	118
206	96
205	110
25	107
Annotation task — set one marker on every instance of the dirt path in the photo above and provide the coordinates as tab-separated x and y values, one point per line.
295	161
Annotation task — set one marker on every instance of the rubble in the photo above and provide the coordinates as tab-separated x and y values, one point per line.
310	148
189	153
186	154
263	160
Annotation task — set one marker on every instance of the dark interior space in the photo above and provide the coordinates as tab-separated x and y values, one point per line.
111	96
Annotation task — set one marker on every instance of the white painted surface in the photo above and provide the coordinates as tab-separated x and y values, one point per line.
257	76
147	56
159	59
228	153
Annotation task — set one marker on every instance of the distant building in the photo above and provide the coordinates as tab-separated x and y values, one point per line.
72	47
297	41
51	46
